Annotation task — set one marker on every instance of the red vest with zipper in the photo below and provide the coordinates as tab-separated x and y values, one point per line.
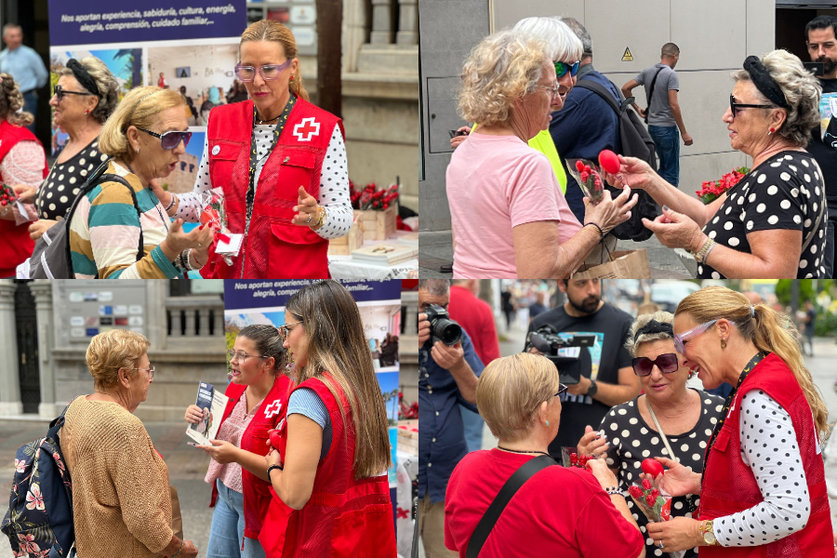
274	247
345	517
271	413
729	485
15	244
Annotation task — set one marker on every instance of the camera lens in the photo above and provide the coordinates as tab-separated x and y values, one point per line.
448	331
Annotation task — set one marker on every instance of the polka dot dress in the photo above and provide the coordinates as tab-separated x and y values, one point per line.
61	186
785	192
632	440
334	183
769	448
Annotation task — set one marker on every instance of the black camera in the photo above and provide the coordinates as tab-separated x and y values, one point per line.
442	328
568	352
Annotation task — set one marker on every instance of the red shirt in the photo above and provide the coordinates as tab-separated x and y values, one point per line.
476	317
560	511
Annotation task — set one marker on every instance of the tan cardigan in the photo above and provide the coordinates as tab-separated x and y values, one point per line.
121	499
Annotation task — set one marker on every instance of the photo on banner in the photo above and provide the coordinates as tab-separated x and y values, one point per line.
379	302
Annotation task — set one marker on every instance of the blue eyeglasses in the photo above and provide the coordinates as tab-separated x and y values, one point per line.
562	68
679	340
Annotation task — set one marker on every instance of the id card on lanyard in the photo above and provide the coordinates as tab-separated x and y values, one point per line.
250	197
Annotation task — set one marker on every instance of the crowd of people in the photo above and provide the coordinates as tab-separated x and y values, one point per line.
282	200
740	466
298	467
516	214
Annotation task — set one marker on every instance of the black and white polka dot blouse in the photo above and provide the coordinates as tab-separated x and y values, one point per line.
60	188
334	183
785	192
632	440
769	447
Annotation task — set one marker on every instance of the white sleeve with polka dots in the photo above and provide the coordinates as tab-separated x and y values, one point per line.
190	205
334	189
768	446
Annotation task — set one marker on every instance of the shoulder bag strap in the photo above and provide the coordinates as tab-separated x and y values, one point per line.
599	90
518	479
660	431
117	178
651	91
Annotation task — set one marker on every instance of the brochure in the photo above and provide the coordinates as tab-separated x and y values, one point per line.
213	402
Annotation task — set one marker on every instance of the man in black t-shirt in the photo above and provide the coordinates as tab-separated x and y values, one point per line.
611	380
821	40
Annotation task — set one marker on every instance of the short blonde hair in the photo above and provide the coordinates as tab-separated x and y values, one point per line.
107	84
111	350
499	70
269	30
801	90
511	389
139	108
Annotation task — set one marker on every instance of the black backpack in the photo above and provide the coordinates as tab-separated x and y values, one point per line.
52	258
39	521
636	142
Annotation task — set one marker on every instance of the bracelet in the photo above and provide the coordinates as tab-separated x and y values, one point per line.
601	232
271	468
320	219
172	201
179	548
613	490
703	253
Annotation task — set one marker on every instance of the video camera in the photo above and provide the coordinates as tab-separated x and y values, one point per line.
442	328
565	352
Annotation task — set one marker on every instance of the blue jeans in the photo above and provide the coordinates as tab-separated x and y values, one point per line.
667	141
227	528
473	424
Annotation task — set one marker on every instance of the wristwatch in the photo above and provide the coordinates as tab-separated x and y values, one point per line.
708	534
591	391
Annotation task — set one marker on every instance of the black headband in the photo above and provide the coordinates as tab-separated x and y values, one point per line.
654	326
83	76
764	82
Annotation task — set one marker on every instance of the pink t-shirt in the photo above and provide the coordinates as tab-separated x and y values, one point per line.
495	183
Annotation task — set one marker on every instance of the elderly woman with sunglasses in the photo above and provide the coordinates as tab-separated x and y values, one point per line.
122	231
668	419
762	492
258	398
121	499
558	511
773	222
289	193
85	96
508	215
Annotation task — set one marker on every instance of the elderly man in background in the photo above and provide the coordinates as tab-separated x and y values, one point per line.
25	65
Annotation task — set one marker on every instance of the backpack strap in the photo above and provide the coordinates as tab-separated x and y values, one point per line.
518	479
651	93
602	92
95	178
56	424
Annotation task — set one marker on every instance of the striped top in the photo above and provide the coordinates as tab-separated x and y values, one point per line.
105	232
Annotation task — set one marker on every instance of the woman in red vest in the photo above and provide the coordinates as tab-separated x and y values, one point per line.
763	488
281	162
328	477
258	396
22	161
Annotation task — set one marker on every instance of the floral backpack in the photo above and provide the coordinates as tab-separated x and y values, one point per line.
39	522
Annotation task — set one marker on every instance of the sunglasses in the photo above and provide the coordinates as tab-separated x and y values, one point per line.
60	92
666	362
170	140
735	107
680	340
268	71
562	68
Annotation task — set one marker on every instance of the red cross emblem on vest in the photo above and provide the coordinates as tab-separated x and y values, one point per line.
273	409
307	129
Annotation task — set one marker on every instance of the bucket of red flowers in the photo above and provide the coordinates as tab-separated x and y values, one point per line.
713	189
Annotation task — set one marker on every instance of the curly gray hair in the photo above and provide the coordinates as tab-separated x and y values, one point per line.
107	84
634	340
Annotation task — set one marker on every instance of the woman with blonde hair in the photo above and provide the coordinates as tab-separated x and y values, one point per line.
268	155
121	500
120	229
328	473
22	163
508	215
558	511
762	492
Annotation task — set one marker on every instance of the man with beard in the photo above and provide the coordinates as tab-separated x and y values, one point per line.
610	380
822	47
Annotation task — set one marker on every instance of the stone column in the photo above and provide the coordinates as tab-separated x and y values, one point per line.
10	403
156	293
381	22
407	23
42	291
